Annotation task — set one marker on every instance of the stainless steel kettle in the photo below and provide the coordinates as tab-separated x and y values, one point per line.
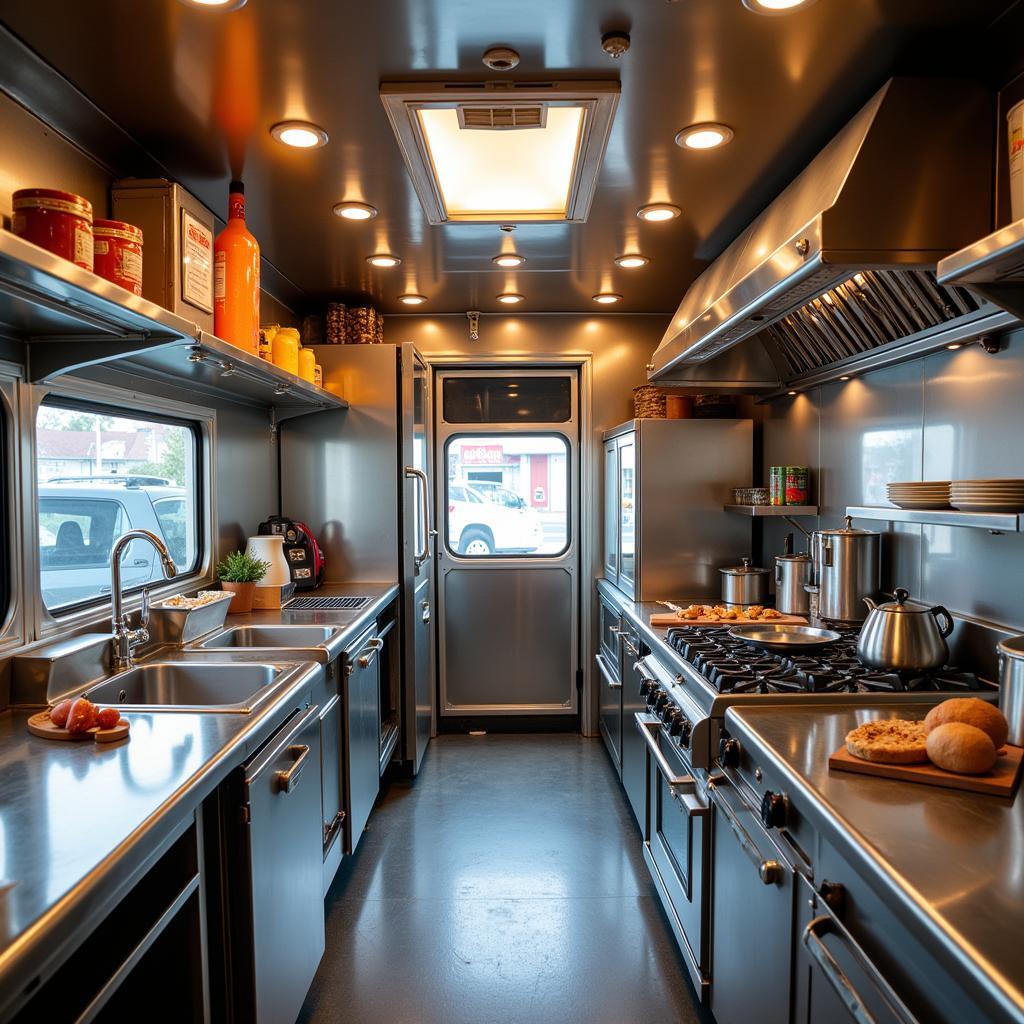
903	636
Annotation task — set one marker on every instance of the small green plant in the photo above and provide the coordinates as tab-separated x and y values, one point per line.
240	567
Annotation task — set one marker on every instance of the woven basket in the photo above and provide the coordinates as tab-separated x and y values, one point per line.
648	403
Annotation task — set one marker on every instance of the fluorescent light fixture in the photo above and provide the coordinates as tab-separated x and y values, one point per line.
658	212
509	259
607	298
383	259
412	299
631	260
510	298
299	134
216	5
351	210
485	153
775	6
704	136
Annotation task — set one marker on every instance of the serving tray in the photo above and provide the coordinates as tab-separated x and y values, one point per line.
671	619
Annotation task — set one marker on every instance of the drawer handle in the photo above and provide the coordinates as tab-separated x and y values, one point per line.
648	726
769	871
330	827
629	647
840	981
610	681
286	780
365	659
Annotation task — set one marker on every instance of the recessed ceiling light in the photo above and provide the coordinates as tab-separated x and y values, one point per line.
299	134
704	136
509	259
954	346
412	299
510	298
774	6
606	298
219	5
383	259
351	210
632	260
790	392
658	211
845	376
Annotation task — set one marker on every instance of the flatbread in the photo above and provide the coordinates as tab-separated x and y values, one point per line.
889	741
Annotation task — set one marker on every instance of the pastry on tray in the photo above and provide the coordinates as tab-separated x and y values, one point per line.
889	741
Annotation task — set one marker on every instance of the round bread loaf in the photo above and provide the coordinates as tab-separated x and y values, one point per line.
971	711
889	741
962	748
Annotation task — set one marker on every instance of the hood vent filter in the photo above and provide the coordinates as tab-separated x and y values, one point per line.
503	118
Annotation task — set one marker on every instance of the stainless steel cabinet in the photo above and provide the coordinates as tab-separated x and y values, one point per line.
634	750
332	802
611	510
609	682
361	693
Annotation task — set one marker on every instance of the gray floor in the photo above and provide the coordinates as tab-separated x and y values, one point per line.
505	885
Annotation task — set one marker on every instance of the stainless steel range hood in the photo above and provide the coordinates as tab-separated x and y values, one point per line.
842	263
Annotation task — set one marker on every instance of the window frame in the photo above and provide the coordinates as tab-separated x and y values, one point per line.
13	629
89	396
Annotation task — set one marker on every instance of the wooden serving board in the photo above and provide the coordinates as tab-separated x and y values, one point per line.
1000	781
667	618
40	725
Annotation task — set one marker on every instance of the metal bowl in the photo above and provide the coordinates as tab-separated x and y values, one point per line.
784	638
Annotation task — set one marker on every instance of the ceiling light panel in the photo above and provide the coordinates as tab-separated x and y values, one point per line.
383	259
355	211
509	259
775	6
631	261
299	134
502	152
704	136
658	212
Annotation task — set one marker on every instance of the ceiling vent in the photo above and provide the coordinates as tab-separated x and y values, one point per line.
507	117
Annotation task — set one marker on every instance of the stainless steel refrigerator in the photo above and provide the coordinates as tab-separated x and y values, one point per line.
360	479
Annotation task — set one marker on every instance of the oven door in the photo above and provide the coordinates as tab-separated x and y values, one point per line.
676	845
752	923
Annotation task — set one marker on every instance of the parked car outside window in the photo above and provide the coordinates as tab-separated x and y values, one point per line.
479	527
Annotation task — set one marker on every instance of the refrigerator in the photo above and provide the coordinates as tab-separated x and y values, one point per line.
360	478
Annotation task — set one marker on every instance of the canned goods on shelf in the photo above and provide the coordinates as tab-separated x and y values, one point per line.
117	253
777	485
797	489
60	222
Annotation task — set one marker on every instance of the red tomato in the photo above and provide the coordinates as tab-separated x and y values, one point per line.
59	713
108	718
82	716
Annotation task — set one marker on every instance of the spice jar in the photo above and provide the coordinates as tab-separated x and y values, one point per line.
286	349
57	221
307	365
117	253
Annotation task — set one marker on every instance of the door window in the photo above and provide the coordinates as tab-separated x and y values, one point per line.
521	399
507	495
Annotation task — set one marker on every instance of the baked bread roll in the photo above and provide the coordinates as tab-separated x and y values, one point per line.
889	741
961	748
971	711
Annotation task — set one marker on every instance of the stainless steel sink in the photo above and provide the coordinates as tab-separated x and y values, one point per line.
190	686
308	642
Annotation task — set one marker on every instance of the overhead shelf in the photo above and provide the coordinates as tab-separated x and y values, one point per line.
71	320
783	511
995	522
993	267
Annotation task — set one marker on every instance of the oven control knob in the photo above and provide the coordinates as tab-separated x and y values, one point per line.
729	752
652	695
773	809
660	701
685	732
670	715
645	687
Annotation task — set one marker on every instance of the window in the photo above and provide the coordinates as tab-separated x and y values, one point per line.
507	495
519	399
99	474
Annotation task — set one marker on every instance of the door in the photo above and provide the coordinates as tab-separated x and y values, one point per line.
508	550
627	517
417	557
611	511
362	721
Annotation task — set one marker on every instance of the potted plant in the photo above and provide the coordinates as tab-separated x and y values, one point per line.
239	573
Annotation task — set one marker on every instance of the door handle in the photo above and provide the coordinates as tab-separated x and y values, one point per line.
610	681
426	611
648	726
767	870
421	478
330	827
286	780
369	652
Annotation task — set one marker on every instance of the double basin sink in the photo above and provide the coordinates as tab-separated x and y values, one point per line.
238	687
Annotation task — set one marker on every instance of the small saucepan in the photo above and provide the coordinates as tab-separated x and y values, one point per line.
744	584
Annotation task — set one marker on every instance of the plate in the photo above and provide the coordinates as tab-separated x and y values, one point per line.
784	637
988	506
921	506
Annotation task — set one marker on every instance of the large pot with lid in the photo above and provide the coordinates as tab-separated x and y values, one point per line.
1011	686
744	584
903	636
846	570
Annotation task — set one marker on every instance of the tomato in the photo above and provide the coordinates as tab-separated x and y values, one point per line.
82	716
59	713
108	718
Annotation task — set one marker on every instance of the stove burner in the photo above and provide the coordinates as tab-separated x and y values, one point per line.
732	666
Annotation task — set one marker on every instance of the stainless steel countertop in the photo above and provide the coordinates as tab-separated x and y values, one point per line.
78	820
950	863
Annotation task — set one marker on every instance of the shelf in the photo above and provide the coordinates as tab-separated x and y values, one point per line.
994	522
70	320
993	267
783	511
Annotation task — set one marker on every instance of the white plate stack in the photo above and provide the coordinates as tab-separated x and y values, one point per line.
920	494
987	495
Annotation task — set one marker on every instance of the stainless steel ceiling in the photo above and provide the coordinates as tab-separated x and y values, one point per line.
200	89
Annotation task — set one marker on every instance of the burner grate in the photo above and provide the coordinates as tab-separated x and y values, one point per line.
324	604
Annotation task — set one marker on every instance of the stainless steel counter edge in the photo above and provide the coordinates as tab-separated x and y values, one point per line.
51	937
917	911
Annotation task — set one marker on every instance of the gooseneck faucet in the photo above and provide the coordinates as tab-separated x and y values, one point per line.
125	638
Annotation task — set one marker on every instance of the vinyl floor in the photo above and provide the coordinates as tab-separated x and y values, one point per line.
505	885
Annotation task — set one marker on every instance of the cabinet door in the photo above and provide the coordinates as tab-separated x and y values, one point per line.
627	514
611	511
331	799
362	693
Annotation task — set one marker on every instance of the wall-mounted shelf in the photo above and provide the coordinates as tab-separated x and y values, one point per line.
994	522
782	511
70	320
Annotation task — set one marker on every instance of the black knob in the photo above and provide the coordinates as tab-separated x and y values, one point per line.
685	732
660	701
729	752
833	894
645	687
773	809
669	714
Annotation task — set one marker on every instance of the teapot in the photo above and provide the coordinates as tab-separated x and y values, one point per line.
903	636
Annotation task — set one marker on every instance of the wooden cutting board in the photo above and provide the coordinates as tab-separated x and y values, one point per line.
1000	781
40	725
667	618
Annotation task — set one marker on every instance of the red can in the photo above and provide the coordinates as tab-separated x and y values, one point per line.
59	222
118	253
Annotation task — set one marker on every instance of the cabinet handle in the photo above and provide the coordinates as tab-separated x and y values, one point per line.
286	780
369	652
648	726
421	478
768	870
330	827
839	980
610	680
426	611
629	647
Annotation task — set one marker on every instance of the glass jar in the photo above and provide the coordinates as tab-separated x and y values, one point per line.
285	348
307	365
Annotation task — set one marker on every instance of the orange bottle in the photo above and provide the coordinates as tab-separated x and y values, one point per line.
236	278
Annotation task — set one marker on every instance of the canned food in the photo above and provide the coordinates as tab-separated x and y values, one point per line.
117	253
796	485
57	221
777	485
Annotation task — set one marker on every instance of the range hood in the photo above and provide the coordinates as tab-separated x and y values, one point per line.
840	268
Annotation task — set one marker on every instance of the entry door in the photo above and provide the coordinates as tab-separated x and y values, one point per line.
508	551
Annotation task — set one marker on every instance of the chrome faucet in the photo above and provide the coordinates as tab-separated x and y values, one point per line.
125	638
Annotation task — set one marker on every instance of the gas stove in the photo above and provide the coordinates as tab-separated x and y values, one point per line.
732	666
